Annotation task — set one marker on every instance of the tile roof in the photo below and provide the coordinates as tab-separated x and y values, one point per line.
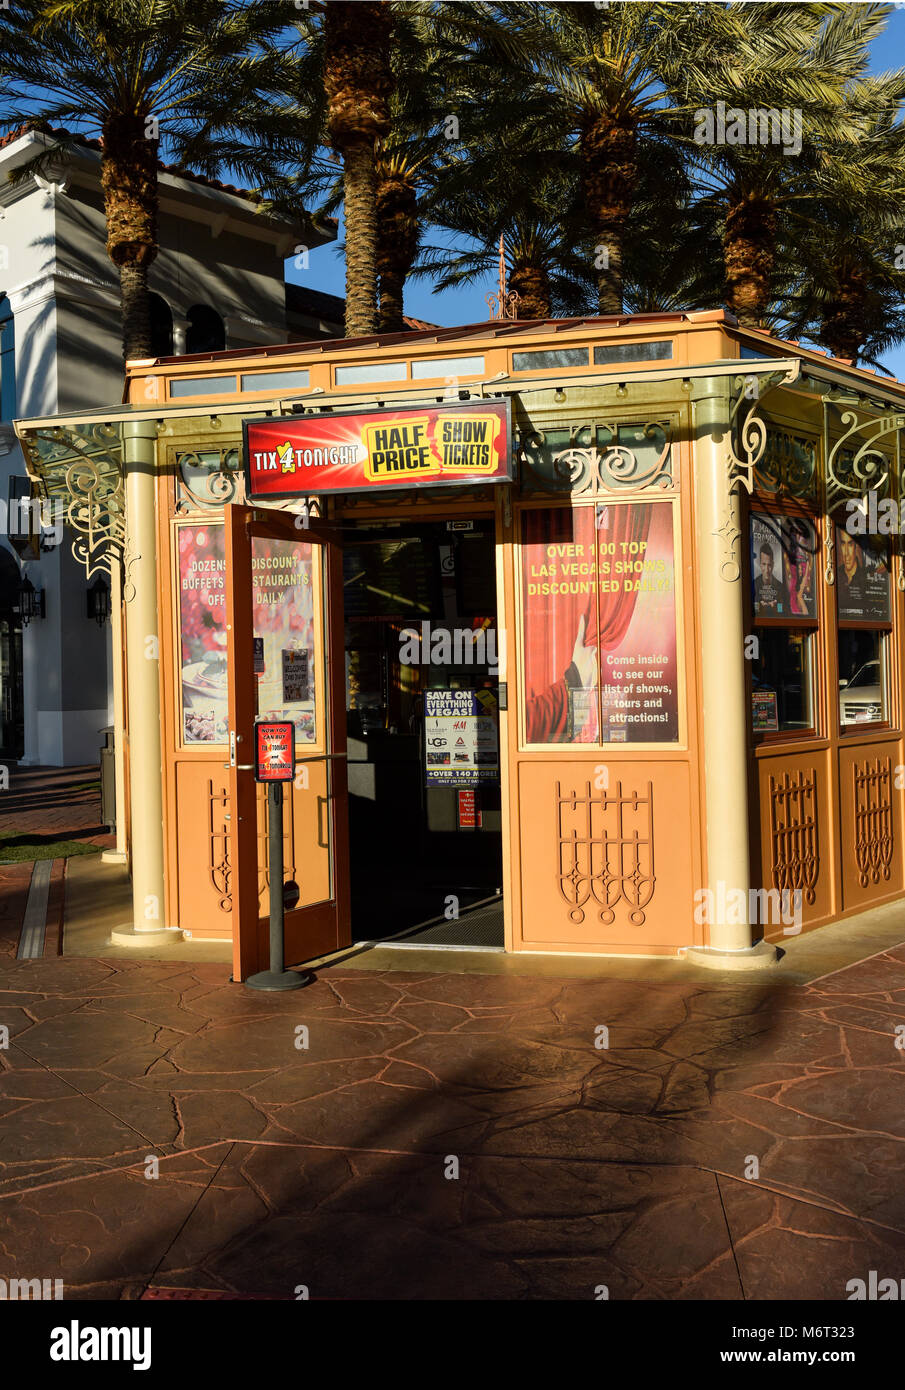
60	133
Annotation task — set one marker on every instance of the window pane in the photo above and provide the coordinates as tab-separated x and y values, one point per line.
202	385
781	681
553	357
600	625
377	371
274	381
862	678
633	352
447	366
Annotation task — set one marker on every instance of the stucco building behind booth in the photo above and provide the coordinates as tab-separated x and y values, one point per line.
218	281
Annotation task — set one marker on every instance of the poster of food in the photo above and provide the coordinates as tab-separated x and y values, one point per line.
862	578
461	739
202	630
283	574
600	624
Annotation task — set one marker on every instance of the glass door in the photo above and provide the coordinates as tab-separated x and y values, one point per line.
284	661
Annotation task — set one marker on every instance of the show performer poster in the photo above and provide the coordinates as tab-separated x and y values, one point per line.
799	541
768	568
862	578
600	624
202	629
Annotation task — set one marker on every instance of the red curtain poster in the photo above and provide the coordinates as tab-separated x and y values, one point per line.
600	624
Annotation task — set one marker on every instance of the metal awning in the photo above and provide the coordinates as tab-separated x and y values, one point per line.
78	457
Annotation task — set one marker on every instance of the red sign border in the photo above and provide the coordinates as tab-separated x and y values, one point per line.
375	490
283	723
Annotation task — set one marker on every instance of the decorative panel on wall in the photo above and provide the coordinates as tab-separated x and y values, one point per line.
870	823
607	866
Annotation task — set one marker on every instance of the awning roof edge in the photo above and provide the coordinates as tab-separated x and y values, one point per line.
118	414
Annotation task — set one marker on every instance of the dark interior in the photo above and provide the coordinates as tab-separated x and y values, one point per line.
413	847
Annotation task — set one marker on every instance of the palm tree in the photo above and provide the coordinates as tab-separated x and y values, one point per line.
612	79
358	81
497	195
801	56
848	252
398	232
193	73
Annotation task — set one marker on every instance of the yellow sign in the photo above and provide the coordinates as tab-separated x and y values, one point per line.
421	446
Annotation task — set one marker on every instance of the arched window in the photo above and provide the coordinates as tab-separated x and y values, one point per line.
161	327
7	361
206	332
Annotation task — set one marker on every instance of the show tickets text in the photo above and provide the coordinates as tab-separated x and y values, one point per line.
422	446
569	567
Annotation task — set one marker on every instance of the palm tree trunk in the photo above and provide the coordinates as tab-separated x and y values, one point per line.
360	193
842	322
609	171
749	252
608	252
136	310
392	287
396	213
532	285
129	183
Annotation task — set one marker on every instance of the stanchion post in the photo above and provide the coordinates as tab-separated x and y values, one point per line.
275	764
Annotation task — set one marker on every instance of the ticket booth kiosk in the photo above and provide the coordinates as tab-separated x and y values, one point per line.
583	649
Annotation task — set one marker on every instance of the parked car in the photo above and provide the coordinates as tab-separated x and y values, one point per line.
861	698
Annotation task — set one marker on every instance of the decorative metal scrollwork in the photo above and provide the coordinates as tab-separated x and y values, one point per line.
853	471
207	480
787	466
97	514
747	439
81	465
745	443
588	465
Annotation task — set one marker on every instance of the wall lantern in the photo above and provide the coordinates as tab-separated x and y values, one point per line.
99	602
31	602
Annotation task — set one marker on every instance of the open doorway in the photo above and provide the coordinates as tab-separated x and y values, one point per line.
422	715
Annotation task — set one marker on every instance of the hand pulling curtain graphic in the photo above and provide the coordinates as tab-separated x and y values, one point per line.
578	606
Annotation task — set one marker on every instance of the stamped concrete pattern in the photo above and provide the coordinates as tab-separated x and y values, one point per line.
399	1135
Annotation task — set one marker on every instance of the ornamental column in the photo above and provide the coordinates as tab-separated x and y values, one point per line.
148	925
731	945
119	855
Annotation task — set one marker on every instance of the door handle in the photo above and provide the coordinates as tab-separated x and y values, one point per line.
322	842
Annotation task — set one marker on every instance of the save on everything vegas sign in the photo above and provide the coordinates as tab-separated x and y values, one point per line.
379	450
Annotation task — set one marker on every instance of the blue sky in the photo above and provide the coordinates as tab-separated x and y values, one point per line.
326	269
